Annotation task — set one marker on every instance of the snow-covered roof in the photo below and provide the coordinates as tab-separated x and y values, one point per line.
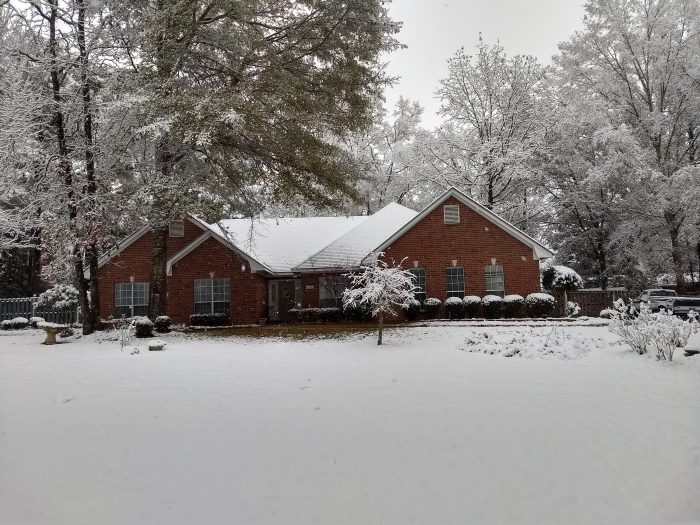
281	244
348	250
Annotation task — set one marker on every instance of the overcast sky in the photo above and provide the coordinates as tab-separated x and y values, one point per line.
433	30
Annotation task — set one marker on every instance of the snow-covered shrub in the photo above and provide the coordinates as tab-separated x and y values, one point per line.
513	306
219	319
156	345
310	315
561	278
412	310
359	313
58	296
606	313
472	306
432	307
383	288
572	309
34	320
331	315
162	323
491	306
454	308
18	323
540	304
144	327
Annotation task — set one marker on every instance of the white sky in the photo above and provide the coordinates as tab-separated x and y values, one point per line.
434	30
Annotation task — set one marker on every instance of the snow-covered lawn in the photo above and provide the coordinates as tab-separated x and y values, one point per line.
429	429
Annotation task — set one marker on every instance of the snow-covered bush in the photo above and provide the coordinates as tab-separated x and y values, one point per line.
209	319
58	296
491	306
454	308
572	309
561	278
18	323
472	306
359	313
144	327
330	315
606	313
383	288
162	323
33	321
540	304
513	306
662	331
432	307
412	310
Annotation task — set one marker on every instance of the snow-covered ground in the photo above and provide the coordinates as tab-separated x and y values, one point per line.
434	428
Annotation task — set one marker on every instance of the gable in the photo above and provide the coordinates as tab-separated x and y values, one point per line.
475	224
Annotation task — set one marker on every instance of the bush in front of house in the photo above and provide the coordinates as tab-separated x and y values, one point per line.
144	327
162	324
492	305
513	306
330	315
472	306
412	310
18	323
210	319
58	296
357	312
540	305
454	308
432	307
606	313
572	309
34	321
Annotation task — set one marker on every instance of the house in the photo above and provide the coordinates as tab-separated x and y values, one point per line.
263	268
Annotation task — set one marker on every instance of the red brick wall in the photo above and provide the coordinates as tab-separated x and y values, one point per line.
473	243
248	291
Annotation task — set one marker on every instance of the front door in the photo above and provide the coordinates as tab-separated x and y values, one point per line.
284	294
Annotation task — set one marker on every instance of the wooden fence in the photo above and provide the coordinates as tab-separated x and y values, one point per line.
591	301
24	307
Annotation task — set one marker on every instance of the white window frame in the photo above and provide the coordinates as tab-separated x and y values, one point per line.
418	275
330	290
494	279
211	294
124	297
450	289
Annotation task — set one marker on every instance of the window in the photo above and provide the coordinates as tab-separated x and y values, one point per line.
451	213
130	299
330	291
176	229
455	281
494	280
212	296
419	282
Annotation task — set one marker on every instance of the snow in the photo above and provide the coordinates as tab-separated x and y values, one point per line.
264	431
349	250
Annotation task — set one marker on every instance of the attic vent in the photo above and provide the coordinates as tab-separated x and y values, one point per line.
451	212
177	229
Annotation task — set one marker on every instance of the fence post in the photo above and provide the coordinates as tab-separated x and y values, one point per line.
33	305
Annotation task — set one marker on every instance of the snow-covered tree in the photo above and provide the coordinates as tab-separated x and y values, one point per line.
381	288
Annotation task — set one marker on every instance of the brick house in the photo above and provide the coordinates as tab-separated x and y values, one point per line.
263	268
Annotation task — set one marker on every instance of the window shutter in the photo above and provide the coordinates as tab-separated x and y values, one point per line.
451	213
177	229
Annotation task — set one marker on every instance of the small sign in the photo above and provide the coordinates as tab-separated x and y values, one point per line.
309	286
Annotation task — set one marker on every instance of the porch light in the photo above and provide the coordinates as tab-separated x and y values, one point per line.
523	258
415	264
243	267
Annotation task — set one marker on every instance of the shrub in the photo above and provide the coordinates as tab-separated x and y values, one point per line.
162	323
18	323
357	312
472	306
491	305
412	310
331	315
606	313
454	308
572	309
561	278
513	306
144	327
540	305
432	307
58	296
210	319
310	315
34	320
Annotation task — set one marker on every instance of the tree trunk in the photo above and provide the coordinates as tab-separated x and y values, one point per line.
381	327
159	279
674	226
